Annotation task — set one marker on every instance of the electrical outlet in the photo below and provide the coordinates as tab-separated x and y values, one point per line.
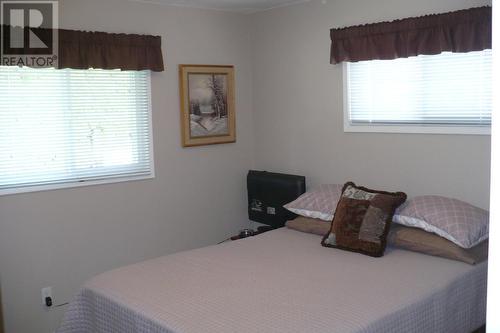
46	292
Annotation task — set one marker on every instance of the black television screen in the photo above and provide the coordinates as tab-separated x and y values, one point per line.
268	192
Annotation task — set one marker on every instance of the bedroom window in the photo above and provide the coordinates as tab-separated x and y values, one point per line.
65	128
445	93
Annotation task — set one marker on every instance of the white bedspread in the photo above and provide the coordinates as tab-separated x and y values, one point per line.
282	281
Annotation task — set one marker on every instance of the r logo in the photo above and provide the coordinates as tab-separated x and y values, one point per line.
28	28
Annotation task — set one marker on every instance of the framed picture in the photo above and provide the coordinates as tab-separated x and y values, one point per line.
207	104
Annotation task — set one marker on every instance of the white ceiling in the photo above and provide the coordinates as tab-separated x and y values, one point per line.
239	6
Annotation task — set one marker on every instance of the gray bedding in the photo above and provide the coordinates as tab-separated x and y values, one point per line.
282	281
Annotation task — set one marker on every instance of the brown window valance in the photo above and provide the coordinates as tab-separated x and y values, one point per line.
85	49
460	31
82	49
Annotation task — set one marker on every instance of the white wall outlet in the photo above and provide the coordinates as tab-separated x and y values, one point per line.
46	292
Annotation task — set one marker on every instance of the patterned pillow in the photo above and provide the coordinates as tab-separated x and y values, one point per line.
319	203
362	220
455	220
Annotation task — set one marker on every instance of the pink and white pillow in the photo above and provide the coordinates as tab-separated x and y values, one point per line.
319	203
455	220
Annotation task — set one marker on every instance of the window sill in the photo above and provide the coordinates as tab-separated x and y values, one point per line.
58	186
417	129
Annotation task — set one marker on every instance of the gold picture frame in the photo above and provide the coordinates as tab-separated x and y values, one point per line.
207	104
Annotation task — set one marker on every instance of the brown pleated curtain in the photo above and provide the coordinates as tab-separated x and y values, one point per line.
460	31
85	49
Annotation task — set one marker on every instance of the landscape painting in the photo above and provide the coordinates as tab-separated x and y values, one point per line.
207	104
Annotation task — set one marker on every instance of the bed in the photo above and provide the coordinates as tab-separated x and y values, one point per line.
283	281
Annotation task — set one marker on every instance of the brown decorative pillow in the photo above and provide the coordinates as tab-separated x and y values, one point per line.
418	240
362	220
309	225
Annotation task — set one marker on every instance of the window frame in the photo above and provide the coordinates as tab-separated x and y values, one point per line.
109	179
399	128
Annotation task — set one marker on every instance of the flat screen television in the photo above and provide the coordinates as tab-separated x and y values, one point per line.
268	192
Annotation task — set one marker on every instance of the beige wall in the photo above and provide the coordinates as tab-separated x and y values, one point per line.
60	238
299	117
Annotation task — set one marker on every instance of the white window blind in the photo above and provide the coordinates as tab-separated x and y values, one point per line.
445	90
73	126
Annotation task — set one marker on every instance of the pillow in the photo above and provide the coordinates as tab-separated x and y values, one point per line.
362	220
319	203
455	220
418	240
309	225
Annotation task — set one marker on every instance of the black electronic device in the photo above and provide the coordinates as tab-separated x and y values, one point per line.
268	192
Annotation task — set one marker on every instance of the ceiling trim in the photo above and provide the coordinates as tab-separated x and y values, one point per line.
293	3
246	11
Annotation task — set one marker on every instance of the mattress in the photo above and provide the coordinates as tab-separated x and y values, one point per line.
282	281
